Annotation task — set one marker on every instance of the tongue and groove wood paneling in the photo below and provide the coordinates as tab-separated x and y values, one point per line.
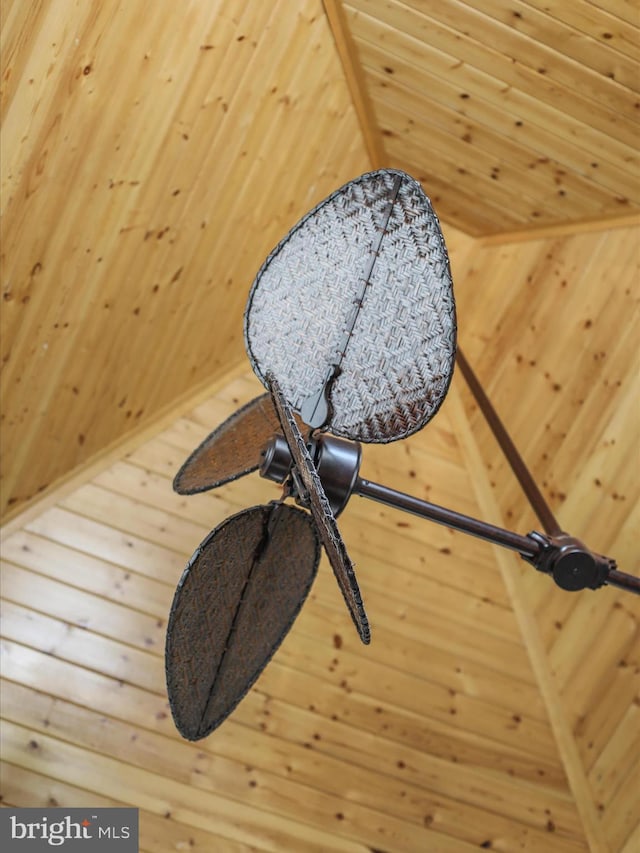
149	163
520	114
435	737
151	158
552	326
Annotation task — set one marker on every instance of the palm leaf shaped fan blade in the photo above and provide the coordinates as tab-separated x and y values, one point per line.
350	326
233	449
235	603
351	322
322	514
353	312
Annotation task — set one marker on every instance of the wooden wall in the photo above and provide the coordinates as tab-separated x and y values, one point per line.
551	326
152	155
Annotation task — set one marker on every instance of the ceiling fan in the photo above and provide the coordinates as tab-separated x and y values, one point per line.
350	325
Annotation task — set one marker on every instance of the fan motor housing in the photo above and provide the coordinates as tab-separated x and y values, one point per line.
277	461
337	462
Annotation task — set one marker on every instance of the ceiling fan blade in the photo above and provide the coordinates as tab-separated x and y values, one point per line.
235	603
322	514
231	450
353	312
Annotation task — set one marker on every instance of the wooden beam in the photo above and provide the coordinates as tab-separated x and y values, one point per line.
355	81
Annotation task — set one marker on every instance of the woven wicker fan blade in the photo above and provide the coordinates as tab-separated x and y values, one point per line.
235	603
353	312
231	450
322	514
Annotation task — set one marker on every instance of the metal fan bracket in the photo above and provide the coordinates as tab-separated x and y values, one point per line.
571	564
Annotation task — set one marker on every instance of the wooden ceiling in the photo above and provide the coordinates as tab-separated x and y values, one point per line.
433	738
143	187
551	327
149	164
515	113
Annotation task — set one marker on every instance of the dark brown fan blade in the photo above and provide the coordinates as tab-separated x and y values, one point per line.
322	514
231	450
235	603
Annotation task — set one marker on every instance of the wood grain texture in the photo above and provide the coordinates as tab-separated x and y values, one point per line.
552	326
435	737
355	81
150	162
509	565
516	113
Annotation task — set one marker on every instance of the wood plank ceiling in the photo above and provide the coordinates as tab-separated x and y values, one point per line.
434	738
142	188
515	113
491	711
551	326
149	163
